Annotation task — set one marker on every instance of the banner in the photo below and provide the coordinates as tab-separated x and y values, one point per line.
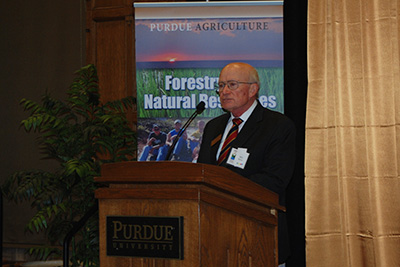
180	51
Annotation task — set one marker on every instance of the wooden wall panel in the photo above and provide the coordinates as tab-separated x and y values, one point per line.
109	3
110	47
111	59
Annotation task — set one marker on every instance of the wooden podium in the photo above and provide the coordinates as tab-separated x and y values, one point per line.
227	219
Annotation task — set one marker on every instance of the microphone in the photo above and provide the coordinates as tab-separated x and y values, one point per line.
199	109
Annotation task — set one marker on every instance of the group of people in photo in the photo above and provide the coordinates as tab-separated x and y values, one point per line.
159	143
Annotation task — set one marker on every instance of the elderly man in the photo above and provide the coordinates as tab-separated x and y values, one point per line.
252	141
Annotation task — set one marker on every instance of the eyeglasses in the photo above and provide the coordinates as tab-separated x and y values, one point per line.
232	85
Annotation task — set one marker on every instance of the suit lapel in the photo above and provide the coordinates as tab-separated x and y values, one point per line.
250	127
218	133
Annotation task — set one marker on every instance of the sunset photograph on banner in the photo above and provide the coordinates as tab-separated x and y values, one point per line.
180	51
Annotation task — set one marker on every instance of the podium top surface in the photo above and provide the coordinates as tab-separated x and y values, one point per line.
174	172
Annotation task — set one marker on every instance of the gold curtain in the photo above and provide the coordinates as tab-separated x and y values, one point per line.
352	155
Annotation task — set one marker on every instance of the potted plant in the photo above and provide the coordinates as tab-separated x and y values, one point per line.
81	134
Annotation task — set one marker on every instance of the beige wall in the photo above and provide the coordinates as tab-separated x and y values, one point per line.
41	46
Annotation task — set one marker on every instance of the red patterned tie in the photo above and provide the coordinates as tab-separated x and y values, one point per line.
233	132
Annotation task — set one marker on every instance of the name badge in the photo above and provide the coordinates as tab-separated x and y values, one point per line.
238	157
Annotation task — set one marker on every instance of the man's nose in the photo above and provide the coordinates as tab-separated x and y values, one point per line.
223	89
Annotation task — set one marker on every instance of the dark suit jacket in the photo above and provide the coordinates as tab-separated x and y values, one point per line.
269	137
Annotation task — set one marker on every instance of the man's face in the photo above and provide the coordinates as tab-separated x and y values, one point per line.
178	126
156	130
239	100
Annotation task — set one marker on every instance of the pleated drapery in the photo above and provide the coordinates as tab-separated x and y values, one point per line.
352	154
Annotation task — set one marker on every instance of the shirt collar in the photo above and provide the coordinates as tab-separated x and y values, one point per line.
247	113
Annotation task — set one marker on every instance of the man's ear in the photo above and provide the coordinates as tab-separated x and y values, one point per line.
253	89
